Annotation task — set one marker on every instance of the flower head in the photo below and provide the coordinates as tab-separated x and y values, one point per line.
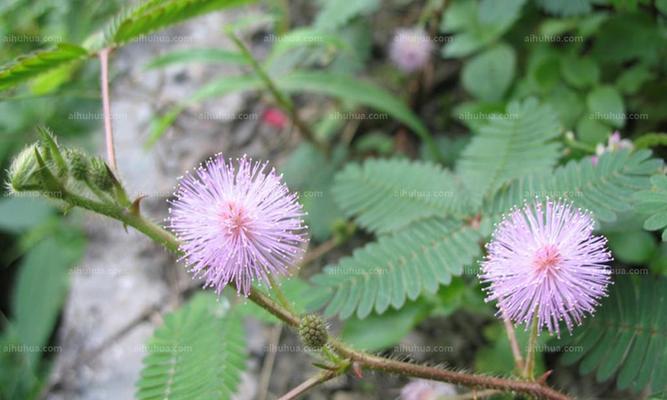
410	49
422	389
544	261
237	225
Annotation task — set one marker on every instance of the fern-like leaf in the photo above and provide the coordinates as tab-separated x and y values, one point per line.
605	189
153	15
415	260
654	203
510	146
199	353
627	337
36	63
386	195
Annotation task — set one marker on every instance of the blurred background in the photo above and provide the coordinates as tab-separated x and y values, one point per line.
80	296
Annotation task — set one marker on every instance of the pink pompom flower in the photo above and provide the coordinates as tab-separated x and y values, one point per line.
237	224
410	49
544	261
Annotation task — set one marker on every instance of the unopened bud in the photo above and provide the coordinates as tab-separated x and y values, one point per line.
23	172
100	174
313	331
78	163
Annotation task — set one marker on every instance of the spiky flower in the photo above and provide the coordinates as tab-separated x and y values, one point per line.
544	261
410	49
422	389
313	331
237	223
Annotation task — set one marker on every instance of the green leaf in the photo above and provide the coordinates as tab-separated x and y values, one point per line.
653	202
605	189
303	37
34	64
21	213
153	15
592	131
566	8
197	55
311	174
476	25
387	195
580	72
377	332
40	290
397	267
510	146
356	91
198	353
632	247
336	13
627	337
488	75
606	104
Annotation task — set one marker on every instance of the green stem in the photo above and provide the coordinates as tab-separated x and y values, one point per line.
282	299
529	372
363	359
283	100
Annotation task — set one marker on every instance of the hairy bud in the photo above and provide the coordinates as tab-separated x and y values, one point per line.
100	174
78	163
313	331
23	172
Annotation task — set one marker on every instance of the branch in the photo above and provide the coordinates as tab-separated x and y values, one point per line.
309	384
106	107
167	239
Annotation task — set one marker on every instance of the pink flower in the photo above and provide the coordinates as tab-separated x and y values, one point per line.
410	49
274	117
237	225
543	260
422	389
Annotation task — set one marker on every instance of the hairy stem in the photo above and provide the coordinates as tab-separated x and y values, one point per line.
106	107
363	359
529	372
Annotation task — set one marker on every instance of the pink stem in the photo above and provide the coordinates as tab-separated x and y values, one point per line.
106	108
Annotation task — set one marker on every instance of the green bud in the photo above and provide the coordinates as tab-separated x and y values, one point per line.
78	163
313	331
101	175
24	171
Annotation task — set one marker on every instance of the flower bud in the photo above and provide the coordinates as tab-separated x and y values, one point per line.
78	163
313	331
100	174
23	172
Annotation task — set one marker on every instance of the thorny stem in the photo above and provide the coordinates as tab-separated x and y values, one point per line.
106	107
530	351
283	101
363	359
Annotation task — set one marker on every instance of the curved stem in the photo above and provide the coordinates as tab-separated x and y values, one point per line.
309	384
363	359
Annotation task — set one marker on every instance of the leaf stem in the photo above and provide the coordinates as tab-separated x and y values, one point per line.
514	343
529	370
106	107
283	100
309	384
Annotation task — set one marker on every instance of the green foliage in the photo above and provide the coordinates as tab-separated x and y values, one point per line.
510	146
311	174
21	213
627	337
653	202
387	195
607	104
404	265
199	352
377	332
477	24
32	65
152	15
489	74
336	13
651	140
566	8
605	189
197	55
